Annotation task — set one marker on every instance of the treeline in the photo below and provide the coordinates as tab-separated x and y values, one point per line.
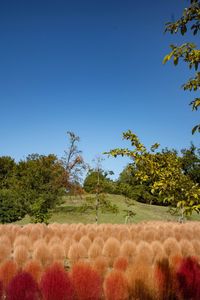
129	185
162	177
32	186
35	185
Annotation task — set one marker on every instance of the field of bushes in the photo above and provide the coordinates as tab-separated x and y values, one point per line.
152	260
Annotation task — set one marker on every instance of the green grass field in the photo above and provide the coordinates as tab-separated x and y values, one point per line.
66	213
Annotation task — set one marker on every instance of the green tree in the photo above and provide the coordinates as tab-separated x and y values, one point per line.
11	206
41	181
162	172
191	163
187	52
106	185
7	170
97	183
129	186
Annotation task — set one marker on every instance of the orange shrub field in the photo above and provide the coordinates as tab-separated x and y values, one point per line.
153	260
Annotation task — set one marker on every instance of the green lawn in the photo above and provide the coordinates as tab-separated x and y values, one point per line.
66	213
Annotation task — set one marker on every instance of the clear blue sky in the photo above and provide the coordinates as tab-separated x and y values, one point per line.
92	67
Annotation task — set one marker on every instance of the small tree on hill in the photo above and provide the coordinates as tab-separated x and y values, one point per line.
96	184
74	164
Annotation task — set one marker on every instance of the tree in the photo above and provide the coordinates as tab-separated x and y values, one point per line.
73	163
96	182
191	163
129	186
162	173
187	52
11	206
41	182
106	185
7	169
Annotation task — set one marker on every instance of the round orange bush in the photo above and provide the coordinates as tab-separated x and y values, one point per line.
116	286
86	281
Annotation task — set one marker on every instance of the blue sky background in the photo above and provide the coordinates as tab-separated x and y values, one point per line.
93	67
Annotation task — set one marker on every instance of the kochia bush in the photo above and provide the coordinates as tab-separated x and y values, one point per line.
23	286
188	279
87	282
55	284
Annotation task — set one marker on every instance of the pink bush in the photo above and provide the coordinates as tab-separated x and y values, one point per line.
86	281
188	279
23	286
55	284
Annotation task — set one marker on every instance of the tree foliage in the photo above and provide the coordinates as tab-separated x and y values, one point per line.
191	163
11	206
32	186
42	181
106	185
187	52
162	173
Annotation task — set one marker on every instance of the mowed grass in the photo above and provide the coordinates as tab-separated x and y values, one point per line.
68	212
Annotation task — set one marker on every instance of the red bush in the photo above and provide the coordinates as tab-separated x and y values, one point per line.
165	280
188	279
116	286
34	268
55	284
121	263
86	281
1	290
7	271
23	286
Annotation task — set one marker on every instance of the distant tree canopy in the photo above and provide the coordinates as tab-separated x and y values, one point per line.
33	186
105	185
160	176
187	52
190	161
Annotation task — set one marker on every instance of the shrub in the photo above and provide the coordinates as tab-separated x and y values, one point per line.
100	265
42	253
140	280
23	286
94	251
55	284
111	249
165	280
34	268
20	255
121	263
188	279
86	281
7	271
116	286
1	290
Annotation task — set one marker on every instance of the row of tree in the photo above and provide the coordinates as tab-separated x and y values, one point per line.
35	185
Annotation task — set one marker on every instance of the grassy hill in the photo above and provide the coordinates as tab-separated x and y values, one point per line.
68	212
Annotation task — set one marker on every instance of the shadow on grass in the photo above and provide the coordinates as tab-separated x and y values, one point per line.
67	209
